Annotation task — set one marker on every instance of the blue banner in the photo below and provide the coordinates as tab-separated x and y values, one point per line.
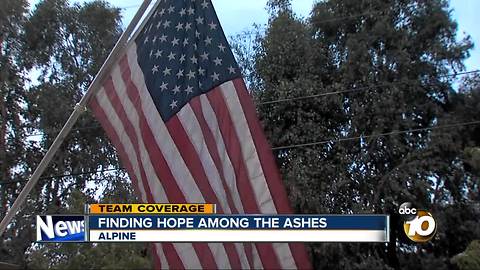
240	222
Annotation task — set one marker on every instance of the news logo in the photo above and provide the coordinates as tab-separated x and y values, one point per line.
60	228
418	224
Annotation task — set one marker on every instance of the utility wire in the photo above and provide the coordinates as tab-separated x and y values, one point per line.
376	135
345	91
356	89
334	140
66	175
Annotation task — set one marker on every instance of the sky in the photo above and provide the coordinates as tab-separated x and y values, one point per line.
238	16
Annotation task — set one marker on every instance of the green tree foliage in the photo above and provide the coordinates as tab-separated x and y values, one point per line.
387	64
470	259
12	99
59	46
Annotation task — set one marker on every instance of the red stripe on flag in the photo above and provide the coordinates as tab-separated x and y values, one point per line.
194	164
160	165
272	175
227	128
212	148
102	118
175	195
157	264
130	131
174	261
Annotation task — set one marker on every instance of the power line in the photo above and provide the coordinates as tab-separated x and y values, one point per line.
356	89
375	135
345	91
254	33
66	175
393	133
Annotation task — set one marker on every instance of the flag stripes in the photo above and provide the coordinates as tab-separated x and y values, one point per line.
204	153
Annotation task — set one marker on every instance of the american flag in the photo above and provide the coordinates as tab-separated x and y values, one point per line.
177	110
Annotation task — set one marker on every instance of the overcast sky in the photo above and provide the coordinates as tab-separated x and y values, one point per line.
237	16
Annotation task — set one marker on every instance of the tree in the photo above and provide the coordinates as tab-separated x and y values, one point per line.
61	47
470	259
386	65
12	129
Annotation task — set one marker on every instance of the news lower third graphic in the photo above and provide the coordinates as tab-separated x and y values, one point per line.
60	228
201	223
419	224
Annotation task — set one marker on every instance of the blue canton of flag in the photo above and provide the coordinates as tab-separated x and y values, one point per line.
183	53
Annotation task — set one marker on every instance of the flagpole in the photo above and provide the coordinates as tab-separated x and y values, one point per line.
79	109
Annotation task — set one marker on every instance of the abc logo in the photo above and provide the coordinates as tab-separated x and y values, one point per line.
419	225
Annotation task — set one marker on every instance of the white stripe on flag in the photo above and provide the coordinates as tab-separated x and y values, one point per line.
211	119
252	162
254	167
161	256
228	170
117	125
192	127
156	187
164	140
175	161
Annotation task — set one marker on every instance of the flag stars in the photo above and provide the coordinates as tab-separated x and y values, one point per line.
204	56
215	76
167	24
221	48
208	41
191	75
218	61
176	90
175	41
164	86
189	90
187	55
180	73
174	104
167	71
194	60
179	26
213	26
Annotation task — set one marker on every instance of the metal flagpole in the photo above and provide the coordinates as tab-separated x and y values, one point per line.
79	109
